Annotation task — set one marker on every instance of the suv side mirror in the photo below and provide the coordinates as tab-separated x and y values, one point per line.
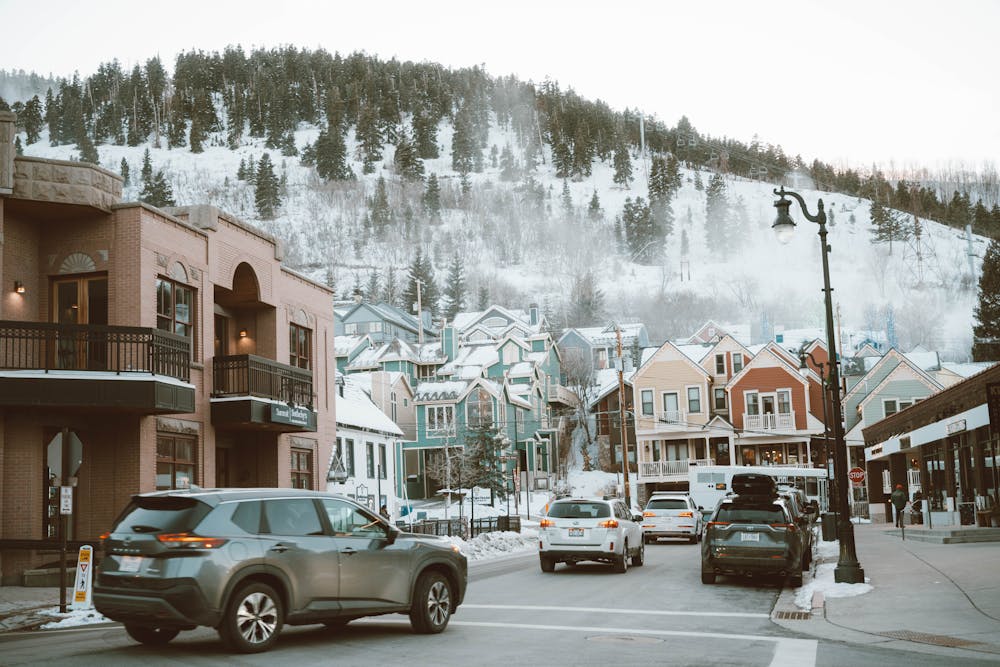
637	517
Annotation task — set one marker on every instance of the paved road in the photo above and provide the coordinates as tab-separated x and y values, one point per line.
585	615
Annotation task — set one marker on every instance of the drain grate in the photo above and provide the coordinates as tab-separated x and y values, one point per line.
925	638
793	615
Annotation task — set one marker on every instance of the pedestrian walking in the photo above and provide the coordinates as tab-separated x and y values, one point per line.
898	499
384	511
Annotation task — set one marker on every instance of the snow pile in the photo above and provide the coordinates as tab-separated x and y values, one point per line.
501	543
823	579
72	618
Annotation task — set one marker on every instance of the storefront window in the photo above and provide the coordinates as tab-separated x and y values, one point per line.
174	462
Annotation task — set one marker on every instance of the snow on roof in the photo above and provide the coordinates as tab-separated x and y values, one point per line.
342	345
966	370
521	369
355	409
695	352
925	361
647	352
606	334
440	391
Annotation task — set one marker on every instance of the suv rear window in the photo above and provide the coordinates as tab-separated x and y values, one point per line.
737	514
580	510
667	504
164	514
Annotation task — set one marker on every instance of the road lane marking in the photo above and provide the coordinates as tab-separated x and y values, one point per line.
602	610
787	653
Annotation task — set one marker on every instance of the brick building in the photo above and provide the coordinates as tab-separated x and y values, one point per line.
143	349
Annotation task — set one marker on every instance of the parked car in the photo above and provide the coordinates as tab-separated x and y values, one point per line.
804	514
248	561
590	529
671	515
752	535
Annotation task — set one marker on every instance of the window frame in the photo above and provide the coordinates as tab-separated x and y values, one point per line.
696	401
720	364
667	411
737	362
442	417
717	393
885	404
299	346
171	317
370	459
297	473
643	394
173	461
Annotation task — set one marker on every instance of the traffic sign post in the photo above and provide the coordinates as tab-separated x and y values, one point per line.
84	579
857	476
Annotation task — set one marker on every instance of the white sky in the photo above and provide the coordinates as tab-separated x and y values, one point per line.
847	81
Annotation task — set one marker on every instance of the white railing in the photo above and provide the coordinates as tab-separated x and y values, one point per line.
678	468
769	422
672	417
558	393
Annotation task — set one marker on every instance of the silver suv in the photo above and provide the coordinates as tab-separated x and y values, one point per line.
597	529
248	561
671	515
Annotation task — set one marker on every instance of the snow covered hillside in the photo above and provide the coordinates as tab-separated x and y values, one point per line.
922	292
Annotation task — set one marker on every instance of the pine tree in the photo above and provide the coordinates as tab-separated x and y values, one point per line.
18	148
463	144
432	197
494	153
197	135
594	212
267	197
566	199
147	169
640	232
32	120
661	192
369	138
156	191
483	297
508	165
379	211
480	462
52	115
390	292
425	134
718	233
986	332
331	156
422	270
562	159
125	171
408	163
586	301
176	125
622	165
887	225
373	290
454	291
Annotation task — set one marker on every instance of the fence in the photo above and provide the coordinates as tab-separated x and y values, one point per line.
463	527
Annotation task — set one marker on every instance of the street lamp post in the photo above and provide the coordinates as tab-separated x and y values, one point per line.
830	499
848	569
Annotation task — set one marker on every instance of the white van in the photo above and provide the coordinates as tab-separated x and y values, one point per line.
710	484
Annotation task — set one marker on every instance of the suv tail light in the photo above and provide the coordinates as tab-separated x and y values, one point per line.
648	513
718	523
610	523
546	523
190	541
689	515
789	526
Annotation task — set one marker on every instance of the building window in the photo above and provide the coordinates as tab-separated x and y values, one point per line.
600	358
351	328
299	346
348	458
647	402
382	474
302	469
174	461
671	408
479	409
720	364
784	402
694	399
753	403
392	405
889	407
720	398
370	459
375	327
440	418
174	307
737	362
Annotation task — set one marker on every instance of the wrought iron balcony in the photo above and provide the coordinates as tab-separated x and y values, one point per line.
47	346
249	375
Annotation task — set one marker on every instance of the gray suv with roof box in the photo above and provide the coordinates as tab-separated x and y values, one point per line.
248	561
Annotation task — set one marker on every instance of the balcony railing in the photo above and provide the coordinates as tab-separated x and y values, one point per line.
47	346
769	422
250	375
670	468
560	394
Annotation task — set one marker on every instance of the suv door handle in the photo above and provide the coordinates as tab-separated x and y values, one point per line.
280	548
350	551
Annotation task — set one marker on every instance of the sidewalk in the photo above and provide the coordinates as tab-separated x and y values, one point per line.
934	598
21	606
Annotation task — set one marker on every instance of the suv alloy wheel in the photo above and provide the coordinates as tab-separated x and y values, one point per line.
253	619
431	609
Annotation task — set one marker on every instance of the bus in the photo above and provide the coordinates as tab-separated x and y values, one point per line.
707	485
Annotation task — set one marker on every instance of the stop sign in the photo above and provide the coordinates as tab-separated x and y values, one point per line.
857	476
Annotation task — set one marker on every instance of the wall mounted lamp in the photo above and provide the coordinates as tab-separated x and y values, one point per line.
19	287
243	333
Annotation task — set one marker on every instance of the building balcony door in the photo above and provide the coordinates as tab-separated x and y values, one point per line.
80	300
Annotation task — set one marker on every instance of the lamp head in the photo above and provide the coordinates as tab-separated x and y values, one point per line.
783	225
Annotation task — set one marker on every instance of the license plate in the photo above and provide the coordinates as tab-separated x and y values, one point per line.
750	537
130	564
576	532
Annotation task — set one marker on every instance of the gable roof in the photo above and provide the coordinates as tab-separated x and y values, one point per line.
684	356
389	313
774	351
892	355
356	409
923	377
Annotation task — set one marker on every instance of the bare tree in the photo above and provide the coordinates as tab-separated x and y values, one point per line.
580	379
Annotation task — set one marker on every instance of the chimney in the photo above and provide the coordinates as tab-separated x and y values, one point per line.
449	342
7	121
533	314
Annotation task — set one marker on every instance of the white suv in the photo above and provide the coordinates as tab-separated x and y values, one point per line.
671	515
596	529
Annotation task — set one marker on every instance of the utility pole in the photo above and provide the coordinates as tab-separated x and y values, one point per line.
621	414
420	313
